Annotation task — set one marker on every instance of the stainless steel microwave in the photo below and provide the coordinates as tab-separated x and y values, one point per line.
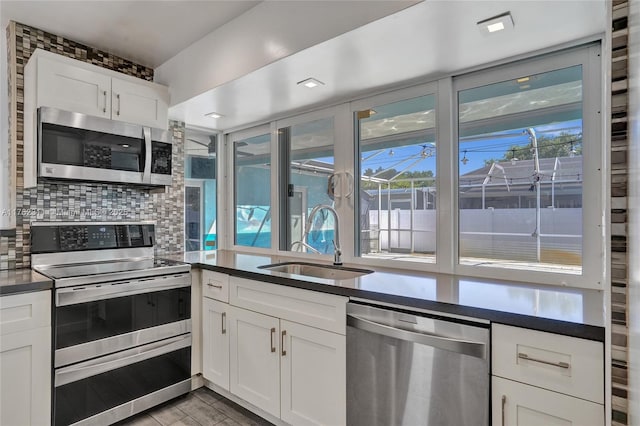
85	148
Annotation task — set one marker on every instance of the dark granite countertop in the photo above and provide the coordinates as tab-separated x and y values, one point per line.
23	281
562	310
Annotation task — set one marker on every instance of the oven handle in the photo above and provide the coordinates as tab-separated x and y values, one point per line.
82	294
97	366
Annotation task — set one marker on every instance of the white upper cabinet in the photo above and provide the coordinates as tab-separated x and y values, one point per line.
141	104
56	81
65	86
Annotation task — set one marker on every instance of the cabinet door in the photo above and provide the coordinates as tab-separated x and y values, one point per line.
313	365
255	359
25	377
73	89
139	103
215	339
517	404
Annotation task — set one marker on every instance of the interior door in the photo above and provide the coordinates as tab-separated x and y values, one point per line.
215	342
193	213
255	359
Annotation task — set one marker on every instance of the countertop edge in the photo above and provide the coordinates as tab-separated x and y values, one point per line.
566	328
31	287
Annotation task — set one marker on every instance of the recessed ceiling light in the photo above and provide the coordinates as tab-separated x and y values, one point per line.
213	115
497	23
310	83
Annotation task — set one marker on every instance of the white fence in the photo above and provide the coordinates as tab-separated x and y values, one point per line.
491	233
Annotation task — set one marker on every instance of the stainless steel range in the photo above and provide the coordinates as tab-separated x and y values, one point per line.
121	320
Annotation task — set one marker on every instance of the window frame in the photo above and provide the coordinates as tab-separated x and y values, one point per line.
343	159
593	212
229	197
425	89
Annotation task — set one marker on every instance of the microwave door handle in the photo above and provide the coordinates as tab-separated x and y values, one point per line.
146	176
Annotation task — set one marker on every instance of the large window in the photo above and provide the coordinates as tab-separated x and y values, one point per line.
525	144
252	191
489	174
200	190
307	183
397	185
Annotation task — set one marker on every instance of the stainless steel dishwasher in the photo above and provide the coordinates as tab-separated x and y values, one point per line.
414	369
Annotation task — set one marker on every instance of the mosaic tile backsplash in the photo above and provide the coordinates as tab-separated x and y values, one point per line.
86	201
619	219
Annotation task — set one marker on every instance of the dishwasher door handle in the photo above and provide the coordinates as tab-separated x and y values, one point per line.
465	347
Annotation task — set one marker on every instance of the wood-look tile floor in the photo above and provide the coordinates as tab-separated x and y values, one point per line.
201	407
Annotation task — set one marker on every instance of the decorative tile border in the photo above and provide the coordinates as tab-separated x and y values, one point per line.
85	201
619	218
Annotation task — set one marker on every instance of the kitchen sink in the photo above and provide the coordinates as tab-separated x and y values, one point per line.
331	272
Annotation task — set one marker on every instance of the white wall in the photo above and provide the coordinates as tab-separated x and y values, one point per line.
633	203
265	33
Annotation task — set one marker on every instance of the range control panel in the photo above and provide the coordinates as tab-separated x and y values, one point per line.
51	238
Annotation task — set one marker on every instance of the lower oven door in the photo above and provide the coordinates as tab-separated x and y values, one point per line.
98	319
108	389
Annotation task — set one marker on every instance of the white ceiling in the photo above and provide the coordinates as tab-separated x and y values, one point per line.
148	32
430	39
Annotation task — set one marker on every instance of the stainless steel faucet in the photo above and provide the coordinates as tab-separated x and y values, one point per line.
337	253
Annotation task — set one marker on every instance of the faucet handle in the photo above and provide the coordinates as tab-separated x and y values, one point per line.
337	253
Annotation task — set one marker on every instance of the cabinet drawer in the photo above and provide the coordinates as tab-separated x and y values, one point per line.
25	311
215	285
320	310
560	363
517	404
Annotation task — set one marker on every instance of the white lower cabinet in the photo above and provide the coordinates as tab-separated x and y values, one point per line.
255	359
313	375
292	371
542	378
215	349
25	359
517	404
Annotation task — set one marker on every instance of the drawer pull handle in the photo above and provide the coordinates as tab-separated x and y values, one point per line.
223	320
273	334
284	334
504	402
104	109
559	364
215	285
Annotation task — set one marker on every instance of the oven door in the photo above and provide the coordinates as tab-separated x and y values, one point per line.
105	390
95	320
